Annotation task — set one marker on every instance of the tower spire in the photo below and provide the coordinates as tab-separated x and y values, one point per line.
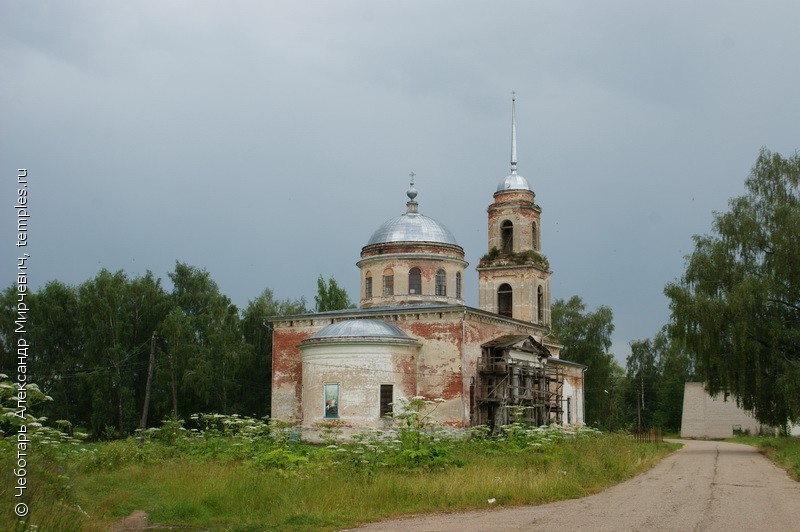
513	133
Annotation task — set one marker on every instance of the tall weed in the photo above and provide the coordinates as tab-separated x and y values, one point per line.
224	472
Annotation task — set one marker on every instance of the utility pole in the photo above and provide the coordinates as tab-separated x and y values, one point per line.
610	407
143	424
639	400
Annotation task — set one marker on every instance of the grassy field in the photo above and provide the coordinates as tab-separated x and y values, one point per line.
783	451
235	481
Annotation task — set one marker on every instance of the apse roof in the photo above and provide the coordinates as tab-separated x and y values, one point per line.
360	328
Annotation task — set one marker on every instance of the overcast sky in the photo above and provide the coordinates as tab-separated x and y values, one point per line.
266	141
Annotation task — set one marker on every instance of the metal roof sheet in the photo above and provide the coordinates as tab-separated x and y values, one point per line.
514	181
360	328
412	227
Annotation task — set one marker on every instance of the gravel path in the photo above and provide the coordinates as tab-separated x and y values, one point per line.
706	486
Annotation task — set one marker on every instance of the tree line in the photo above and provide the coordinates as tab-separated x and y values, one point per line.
93	342
647	392
734	324
92	345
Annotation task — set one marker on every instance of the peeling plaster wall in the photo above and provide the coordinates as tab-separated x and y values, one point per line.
441	367
450	352
287	368
359	370
401	257
519	208
401	265
525	281
480	329
573	389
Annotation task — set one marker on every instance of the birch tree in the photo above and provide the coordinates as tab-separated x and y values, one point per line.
737	306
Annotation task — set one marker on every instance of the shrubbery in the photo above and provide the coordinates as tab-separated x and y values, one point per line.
412	440
211	469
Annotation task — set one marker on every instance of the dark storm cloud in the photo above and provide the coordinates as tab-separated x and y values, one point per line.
266	141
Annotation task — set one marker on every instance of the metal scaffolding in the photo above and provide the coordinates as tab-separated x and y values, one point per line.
514	379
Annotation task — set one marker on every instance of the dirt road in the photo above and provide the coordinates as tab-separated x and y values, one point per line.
706	486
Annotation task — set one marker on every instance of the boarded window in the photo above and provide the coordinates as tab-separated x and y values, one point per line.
458	285
414	281
534	237
441	283
368	286
388	282
331	400
504	300
387	393
507	236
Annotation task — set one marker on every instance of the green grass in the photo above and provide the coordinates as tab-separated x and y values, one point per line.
784	451
178	488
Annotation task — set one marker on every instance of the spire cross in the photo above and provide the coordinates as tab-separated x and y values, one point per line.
513	133
411	175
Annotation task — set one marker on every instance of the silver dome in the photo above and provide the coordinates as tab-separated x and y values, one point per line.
360	328
513	182
412	227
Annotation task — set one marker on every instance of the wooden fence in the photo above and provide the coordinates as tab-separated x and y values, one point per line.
651	435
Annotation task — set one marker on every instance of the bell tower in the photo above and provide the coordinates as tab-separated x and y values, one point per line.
514	276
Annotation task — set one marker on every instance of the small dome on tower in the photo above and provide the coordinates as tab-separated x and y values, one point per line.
514	181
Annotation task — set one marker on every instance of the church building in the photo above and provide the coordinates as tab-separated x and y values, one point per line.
413	335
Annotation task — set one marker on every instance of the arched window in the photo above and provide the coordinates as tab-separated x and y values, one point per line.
458	285
507	236
414	281
504	300
540	303
441	283
388	282
534	237
368	285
